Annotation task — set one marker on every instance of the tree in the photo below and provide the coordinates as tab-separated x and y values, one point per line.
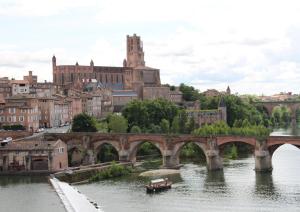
246	123
145	113
136	113
135	129
190	125
237	108
189	93
285	115
117	124
175	125
83	123
182	121
154	128
165	126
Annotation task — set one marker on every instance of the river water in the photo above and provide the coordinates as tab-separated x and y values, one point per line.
236	188
28	194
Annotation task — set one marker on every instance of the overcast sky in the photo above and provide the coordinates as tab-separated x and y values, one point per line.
251	45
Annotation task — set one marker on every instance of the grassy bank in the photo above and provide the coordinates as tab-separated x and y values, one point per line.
115	170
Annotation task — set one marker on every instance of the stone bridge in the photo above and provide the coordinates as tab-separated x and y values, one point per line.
293	106
170	146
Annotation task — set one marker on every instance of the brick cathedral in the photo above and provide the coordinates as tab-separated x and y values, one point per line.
134	75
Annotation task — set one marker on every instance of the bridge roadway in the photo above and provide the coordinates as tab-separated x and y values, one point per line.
84	147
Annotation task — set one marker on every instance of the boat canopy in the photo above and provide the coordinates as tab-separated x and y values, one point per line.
157	181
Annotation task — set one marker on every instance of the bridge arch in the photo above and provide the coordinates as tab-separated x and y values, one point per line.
136	144
179	147
275	145
75	156
100	145
106	152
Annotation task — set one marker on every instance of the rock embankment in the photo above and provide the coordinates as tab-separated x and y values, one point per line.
159	172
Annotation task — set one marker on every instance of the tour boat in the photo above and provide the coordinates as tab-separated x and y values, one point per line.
158	185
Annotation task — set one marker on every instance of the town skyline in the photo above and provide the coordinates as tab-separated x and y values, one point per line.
252	54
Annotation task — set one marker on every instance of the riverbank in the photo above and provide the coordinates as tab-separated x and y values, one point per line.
159	173
82	174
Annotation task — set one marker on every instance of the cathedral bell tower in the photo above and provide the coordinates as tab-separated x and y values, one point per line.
135	53
54	69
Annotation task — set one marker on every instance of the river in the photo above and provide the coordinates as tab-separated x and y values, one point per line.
236	188
28	194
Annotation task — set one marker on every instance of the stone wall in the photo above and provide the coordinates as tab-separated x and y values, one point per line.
156	92
14	134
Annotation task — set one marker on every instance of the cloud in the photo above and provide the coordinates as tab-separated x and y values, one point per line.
251	45
33	8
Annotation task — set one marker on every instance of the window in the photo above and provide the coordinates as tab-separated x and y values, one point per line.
2	118
21	118
12	110
60	149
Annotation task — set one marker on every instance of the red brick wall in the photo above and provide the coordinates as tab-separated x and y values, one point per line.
14	134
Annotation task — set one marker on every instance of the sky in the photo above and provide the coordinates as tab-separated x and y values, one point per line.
251	45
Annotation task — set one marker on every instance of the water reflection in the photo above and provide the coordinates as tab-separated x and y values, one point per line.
215	182
8	180
28	193
264	186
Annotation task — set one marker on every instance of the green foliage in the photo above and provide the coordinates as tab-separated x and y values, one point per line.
246	123
147	112
165	126
148	148
115	170
238	109
102	126
221	128
189	93
117	124
135	129
107	153
192	151
190	125
182	121
14	127
84	123
233	153
154	129
152	163
281	116
175	125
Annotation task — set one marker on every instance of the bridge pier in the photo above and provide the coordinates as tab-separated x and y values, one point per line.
263	161
124	156
213	160
170	162
91	159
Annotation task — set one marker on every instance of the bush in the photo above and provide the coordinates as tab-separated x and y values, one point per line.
117	124
14	127
221	128
233	153
135	129
84	123
115	170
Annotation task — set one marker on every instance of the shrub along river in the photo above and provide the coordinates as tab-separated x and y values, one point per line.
236	188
